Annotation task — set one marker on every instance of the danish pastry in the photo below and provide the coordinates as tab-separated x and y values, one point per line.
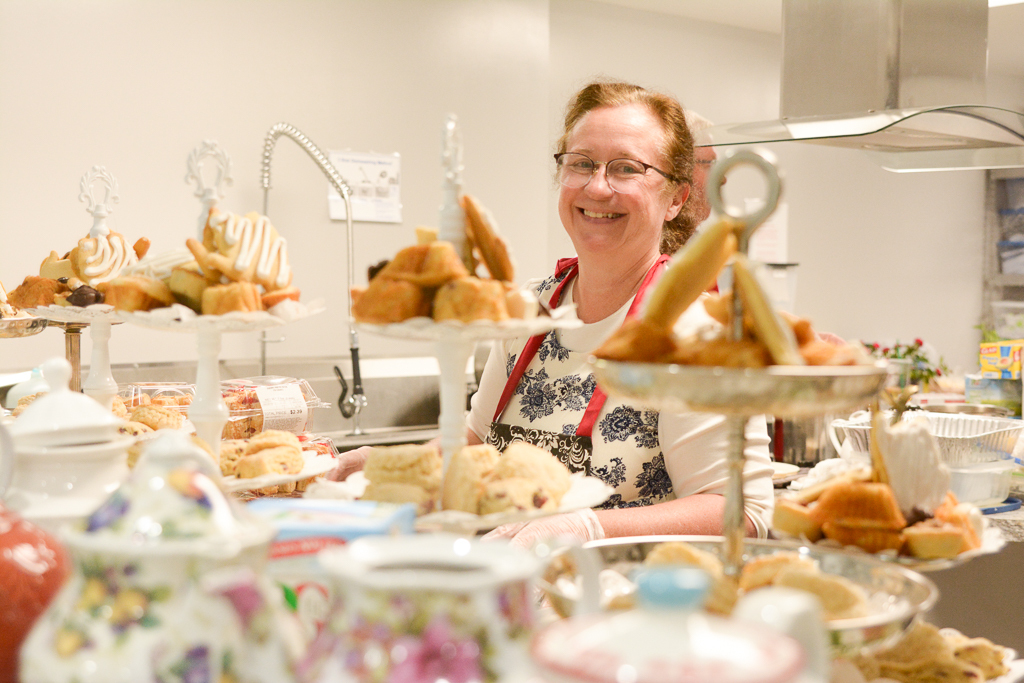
102	258
243	248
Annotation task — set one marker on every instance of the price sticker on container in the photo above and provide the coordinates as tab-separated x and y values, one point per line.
284	407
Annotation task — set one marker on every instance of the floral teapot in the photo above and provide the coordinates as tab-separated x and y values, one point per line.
426	608
166	585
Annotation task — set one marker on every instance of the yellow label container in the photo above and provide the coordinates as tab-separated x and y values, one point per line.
1001	360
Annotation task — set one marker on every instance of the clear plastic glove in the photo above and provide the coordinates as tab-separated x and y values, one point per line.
579	526
349	462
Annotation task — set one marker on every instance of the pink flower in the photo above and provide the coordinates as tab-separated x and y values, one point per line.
436	655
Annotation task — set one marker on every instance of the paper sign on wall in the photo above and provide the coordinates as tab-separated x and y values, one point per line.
375	180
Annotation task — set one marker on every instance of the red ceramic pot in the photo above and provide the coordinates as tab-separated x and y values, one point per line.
33	566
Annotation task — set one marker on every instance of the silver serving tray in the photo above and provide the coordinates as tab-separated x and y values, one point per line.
779	390
897	595
21	327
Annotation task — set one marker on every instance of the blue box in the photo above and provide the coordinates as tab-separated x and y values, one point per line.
994	391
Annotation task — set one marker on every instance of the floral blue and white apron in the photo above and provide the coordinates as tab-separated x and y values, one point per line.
552	389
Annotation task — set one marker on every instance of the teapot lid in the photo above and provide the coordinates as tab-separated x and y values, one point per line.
441	561
63	417
665	640
171	503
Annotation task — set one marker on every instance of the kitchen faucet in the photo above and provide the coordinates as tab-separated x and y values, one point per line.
355	401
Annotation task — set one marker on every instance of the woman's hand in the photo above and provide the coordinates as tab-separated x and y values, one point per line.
579	526
349	462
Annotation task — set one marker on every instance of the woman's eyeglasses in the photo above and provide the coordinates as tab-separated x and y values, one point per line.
576	170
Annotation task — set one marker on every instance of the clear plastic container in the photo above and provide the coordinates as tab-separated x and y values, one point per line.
271	402
1008	318
174	395
982	484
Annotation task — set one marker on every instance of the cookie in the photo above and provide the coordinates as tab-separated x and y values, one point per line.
119	408
464	480
157	417
761	571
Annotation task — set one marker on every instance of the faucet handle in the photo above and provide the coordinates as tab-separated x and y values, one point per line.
210	194
99	210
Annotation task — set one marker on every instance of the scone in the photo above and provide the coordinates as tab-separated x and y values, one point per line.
469	298
761	571
272	438
840	598
390	301
157	417
419	465
522	460
464	480
277	460
231	451
135	429
514	493
398	492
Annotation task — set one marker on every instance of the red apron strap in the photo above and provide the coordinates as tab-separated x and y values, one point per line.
597	400
565	265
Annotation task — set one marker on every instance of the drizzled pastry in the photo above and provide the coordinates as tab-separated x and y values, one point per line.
95	259
243	248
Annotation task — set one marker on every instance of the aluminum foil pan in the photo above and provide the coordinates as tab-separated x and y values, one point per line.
963	439
896	595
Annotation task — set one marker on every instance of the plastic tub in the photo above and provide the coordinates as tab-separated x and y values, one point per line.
271	402
983	484
1008	317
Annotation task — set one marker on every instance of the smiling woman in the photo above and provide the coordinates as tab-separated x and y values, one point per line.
624	166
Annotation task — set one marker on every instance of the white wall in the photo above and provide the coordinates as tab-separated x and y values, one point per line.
135	86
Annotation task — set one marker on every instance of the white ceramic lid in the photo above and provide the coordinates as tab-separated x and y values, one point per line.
171	504
443	562
665	640
63	417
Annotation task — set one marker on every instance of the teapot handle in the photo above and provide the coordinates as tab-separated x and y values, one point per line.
6	460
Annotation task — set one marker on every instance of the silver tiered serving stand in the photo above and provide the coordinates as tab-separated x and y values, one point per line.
454	341
98	318
741	393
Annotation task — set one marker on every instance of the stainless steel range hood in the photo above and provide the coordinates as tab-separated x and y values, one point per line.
903	80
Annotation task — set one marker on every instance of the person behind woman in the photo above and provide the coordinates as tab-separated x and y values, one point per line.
624	168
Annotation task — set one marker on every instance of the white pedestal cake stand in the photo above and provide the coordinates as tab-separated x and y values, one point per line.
453	344
208	411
